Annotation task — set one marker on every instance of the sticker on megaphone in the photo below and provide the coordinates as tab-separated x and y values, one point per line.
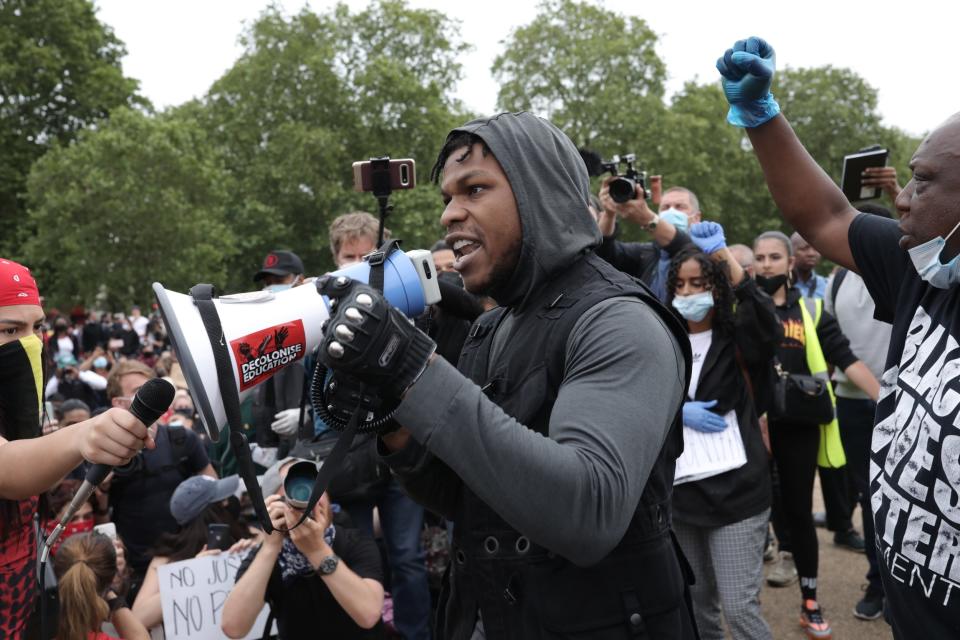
266	331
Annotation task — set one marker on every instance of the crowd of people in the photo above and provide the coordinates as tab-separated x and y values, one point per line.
593	438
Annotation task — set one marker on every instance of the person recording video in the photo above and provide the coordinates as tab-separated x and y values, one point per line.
553	447
320	579
31	464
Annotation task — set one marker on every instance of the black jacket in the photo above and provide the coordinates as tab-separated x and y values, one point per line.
740	493
640	259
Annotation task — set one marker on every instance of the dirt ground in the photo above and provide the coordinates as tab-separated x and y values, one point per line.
838	590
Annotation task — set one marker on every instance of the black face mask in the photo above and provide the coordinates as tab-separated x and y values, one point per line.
21	382
771	284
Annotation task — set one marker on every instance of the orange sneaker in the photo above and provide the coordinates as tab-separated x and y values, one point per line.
813	622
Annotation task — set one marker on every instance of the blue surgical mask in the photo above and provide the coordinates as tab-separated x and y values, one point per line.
926	260
100	362
677	218
277	288
694	307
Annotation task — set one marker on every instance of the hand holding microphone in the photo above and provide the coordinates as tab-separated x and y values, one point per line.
111	439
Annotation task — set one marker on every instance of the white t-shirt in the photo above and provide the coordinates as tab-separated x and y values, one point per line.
140	324
65	345
699	345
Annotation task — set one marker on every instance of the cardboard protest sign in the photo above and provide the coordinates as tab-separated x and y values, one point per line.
192	593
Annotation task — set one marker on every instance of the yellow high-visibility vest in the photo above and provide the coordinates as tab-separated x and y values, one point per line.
830	454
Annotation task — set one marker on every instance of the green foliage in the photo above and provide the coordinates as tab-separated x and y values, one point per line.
314	93
592	72
140	199
59	73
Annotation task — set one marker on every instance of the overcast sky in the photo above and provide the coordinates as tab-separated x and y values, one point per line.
177	48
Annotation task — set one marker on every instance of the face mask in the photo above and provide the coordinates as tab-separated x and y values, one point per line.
277	288
677	218
694	307
21	381
926	260
72	529
771	284
100	363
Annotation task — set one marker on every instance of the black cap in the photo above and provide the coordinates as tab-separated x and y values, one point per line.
280	263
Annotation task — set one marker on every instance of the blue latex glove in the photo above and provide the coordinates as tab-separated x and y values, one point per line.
747	72
697	415
708	236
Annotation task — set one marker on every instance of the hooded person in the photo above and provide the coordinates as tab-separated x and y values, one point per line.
552	444
31	464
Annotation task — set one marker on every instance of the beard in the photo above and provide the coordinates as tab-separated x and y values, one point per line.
501	274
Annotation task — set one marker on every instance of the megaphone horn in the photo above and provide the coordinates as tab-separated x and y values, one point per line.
264	331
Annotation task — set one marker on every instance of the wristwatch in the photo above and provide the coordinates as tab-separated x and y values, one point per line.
328	565
116	603
650	226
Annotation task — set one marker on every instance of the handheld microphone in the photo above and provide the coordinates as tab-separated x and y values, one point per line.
150	402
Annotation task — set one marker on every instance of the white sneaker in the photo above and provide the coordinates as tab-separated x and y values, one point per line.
784	572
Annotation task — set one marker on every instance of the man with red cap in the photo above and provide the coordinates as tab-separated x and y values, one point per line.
31	464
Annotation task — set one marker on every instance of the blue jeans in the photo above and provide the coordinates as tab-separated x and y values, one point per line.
401	520
856	430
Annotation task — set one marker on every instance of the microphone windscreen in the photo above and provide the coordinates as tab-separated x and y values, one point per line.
152	400
593	161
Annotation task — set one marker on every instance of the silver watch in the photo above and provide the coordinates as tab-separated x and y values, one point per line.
328	565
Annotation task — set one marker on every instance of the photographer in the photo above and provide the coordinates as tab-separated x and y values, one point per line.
74	383
30	464
646	261
321	580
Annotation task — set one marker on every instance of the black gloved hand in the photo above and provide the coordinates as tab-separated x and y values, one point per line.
369	339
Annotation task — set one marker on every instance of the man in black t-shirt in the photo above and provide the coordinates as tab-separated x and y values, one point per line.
320	580
140	494
915	454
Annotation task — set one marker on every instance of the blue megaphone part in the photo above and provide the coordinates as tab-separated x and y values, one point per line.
409	280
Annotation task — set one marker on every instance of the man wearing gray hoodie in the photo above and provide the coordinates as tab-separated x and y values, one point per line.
552	444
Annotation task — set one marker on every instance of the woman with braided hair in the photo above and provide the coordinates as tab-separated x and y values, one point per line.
86	565
721	494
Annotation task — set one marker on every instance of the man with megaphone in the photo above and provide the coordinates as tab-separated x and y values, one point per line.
552	445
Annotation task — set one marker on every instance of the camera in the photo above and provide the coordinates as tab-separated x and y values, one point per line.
624	186
298	485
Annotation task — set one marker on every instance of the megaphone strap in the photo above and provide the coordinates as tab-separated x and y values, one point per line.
203	295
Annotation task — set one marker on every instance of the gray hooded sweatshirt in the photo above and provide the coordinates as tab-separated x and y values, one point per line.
575	491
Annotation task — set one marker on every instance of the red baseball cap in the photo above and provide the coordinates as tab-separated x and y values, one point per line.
17	285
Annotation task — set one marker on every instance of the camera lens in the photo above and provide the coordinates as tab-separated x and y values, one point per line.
298	485
622	189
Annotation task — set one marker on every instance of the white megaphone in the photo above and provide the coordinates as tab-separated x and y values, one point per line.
266	331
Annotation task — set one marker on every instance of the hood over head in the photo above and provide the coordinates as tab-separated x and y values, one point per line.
551	188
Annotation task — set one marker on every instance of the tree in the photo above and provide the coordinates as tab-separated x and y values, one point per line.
140	199
59	73
315	92
592	72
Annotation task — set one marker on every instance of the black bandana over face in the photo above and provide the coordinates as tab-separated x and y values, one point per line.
21	381
771	284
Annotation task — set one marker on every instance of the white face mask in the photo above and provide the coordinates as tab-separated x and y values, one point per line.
926	260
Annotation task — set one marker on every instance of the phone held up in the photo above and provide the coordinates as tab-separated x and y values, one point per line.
384	175
218	536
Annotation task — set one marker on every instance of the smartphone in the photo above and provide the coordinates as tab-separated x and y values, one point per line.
108	529
218	536
402	174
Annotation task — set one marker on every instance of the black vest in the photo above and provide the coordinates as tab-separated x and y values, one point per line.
521	590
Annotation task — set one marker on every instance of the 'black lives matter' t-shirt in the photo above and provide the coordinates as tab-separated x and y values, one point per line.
915	454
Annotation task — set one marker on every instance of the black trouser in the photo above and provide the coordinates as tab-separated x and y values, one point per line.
794	448
838	497
856	430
